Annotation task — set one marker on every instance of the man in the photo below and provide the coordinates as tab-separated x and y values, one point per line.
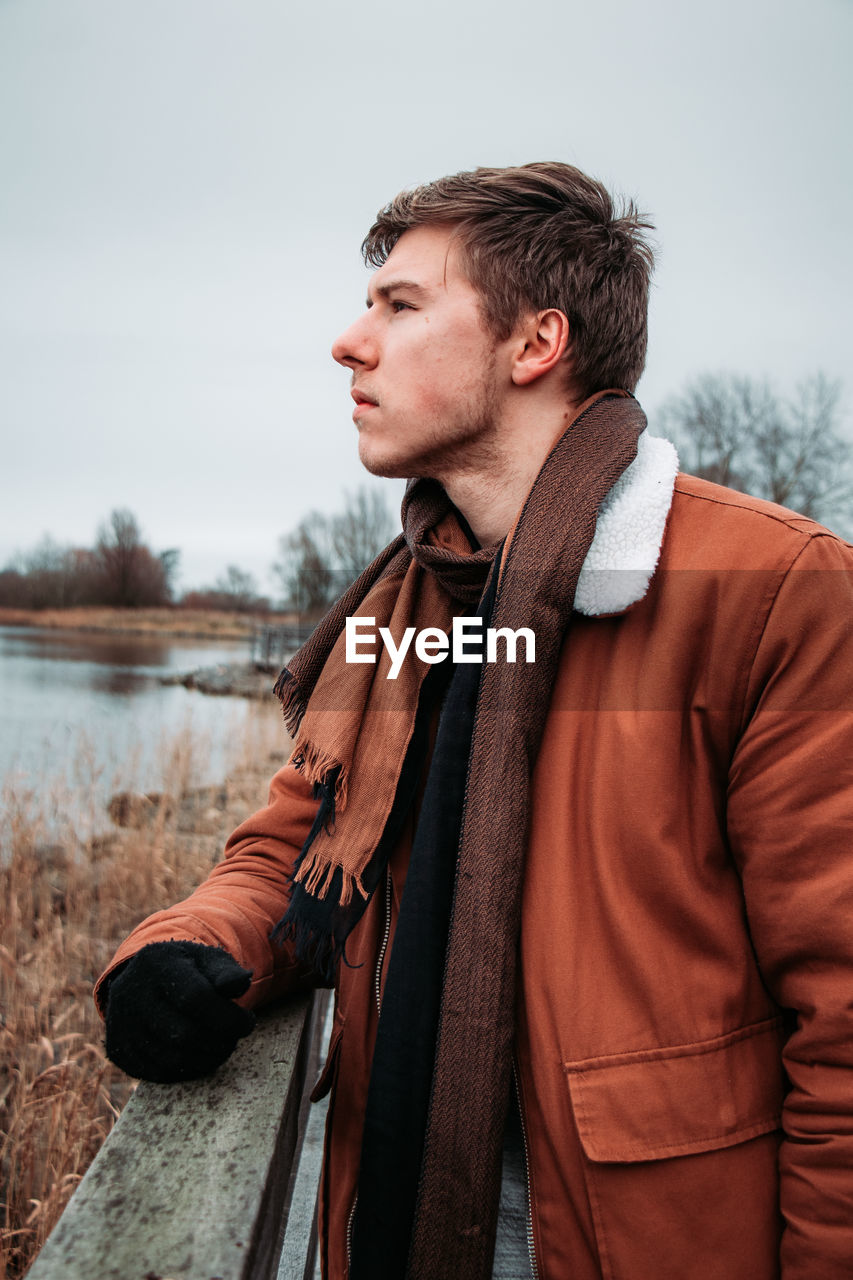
588	916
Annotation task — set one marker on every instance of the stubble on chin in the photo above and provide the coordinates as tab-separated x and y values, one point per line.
469	444
472	450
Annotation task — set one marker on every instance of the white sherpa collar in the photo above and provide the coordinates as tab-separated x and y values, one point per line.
628	536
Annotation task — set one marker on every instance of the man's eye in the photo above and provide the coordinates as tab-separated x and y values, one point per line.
398	305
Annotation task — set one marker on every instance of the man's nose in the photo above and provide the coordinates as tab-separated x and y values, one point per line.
354	346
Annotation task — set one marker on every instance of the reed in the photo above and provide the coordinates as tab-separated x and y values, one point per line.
67	901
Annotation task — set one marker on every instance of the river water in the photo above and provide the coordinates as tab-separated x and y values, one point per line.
87	712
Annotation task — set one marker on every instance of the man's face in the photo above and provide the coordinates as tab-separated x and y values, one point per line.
426	375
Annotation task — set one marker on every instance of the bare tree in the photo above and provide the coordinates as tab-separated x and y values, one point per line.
361	531
305	567
323	554
132	575
804	460
40	579
738	432
238	586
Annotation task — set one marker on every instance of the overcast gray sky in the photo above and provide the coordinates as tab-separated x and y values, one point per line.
184	185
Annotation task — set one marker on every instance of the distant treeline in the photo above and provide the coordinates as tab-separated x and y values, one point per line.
317	560
119	570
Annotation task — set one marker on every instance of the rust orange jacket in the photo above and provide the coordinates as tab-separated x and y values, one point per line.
685	1007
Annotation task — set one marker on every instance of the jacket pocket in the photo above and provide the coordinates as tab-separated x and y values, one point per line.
658	1103
327	1075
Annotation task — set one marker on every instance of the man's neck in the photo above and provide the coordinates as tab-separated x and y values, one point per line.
490	491
490	501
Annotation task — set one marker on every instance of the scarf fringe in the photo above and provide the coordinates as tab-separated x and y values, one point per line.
292	699
312	946
315	875
325	772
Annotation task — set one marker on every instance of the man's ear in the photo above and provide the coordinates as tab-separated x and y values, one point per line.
542	340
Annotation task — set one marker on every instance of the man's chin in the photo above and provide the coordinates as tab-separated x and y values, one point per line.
386	465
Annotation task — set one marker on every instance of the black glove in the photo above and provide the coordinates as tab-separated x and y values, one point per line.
171	1013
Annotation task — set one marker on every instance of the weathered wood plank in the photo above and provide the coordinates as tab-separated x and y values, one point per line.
191	1183
298	1259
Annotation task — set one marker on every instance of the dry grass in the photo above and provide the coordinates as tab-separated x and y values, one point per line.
66	904
198	623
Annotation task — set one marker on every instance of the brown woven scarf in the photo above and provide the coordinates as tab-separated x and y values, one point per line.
350	721
352	727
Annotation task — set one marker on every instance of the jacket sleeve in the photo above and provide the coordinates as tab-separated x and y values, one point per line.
244	897
790	823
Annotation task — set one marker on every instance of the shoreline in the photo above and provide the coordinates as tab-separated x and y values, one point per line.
193	624
228	679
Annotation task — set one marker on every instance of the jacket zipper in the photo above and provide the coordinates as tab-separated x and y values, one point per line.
377	982
534	1269
384	947
349	1233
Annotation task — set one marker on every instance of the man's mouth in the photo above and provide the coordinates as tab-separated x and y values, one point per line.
363	404
360	398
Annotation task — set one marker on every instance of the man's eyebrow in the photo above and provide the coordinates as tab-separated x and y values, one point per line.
391	286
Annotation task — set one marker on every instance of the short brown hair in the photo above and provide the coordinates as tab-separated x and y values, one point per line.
539	236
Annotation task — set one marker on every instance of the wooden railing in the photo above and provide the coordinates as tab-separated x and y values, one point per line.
203	1180
270	646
